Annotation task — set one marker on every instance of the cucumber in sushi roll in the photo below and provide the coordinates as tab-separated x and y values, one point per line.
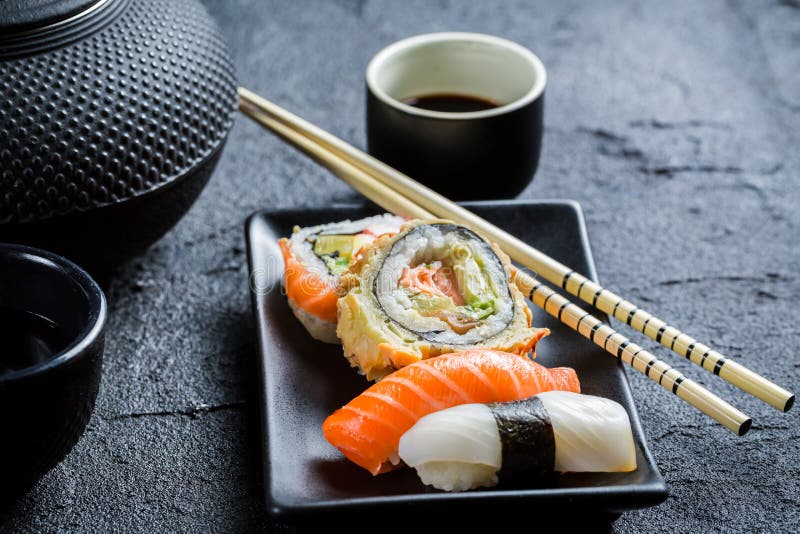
475	445
315	257
435	287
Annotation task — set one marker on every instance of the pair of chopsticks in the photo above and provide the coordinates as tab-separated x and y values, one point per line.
397	193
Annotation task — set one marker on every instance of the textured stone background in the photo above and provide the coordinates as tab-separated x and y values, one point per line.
675	124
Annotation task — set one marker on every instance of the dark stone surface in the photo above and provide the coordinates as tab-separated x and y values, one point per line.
677	127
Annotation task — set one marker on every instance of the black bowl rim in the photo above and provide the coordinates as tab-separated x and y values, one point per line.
98	309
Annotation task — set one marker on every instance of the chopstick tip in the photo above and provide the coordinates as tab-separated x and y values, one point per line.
789	404
745	427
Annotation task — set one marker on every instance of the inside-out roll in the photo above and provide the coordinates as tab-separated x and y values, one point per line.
475	445
314	258
435	287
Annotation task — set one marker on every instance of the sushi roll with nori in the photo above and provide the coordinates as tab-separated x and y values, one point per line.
435	287
316	256
475	445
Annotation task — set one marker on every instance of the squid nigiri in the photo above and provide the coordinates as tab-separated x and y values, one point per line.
475	445
368	429
315	257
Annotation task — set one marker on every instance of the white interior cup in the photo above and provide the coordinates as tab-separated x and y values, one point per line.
455	63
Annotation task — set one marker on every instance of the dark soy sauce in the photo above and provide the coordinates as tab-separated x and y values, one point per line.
28	339
451	103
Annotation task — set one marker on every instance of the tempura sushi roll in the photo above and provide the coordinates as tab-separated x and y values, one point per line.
315	257
433	288
475	445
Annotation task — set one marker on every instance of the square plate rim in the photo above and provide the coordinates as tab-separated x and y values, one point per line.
646	493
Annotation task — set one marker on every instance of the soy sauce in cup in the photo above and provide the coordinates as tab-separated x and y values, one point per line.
451	103
28	339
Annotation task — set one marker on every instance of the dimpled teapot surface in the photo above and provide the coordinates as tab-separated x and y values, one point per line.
112	118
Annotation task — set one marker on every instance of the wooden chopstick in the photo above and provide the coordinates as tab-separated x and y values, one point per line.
552	302
545	266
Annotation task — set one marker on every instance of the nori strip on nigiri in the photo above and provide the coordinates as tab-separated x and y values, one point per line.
526	432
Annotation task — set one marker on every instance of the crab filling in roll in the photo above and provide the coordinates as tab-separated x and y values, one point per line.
444	283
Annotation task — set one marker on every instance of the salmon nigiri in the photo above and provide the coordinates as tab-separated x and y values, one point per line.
368	429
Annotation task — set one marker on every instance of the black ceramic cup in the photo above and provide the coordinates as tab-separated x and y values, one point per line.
492	153
52	326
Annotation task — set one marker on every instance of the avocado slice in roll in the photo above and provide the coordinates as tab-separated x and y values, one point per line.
435	287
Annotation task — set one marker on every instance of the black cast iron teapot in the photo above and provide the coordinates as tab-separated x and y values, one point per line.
112	117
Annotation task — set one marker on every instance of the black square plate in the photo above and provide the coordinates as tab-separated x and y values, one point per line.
303	381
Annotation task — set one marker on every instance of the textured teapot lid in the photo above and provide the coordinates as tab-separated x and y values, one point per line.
16	15
132	106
